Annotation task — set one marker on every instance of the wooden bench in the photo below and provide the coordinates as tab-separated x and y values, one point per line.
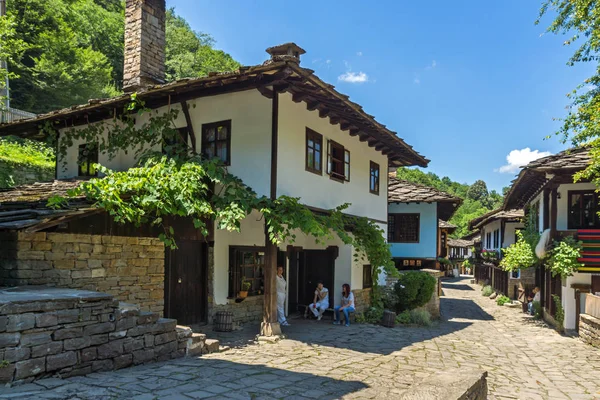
328	311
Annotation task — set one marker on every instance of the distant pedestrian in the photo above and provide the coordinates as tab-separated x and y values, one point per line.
281	291
347	305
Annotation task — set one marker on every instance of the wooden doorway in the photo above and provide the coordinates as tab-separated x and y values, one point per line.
186	282
307	267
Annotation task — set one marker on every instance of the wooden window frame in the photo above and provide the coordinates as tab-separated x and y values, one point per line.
90	158
372	165
367	276
316	137
235	276
205	143
336	176
394	236
572	193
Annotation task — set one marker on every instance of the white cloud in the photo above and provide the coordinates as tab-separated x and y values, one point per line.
432	65
417	81
354	77
519	158
327	61
359	53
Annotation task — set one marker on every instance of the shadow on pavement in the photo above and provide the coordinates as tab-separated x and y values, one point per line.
192	377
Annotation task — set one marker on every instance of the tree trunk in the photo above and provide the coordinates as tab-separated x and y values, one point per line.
270	325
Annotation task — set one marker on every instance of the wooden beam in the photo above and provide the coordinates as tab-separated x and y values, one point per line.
334	120
312	106
188	120
354	131
265	91
344	125
363	137
298	97
323	112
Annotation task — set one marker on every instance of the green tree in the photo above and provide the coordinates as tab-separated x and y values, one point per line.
190	53
580	20
478	191
76	52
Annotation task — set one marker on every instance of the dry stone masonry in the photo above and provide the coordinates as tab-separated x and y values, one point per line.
129	268
144	43
62	332
589	329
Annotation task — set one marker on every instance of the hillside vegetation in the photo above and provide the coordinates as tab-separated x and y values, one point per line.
477	200
24	161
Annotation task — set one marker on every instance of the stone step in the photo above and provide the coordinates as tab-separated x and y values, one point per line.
196	345
211	346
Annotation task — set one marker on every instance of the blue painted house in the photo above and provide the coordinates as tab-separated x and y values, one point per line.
417	227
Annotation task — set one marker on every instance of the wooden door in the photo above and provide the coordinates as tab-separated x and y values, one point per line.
315	266
186	275
595	284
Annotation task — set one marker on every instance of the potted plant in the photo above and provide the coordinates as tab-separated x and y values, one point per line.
246	285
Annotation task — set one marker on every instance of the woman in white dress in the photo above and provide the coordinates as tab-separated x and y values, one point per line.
281	286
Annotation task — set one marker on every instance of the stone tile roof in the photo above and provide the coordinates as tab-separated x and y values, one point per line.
26	206
36	193
301	82
495	215
460	243
446	224
533	177
400	191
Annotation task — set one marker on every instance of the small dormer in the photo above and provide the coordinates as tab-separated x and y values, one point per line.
285	52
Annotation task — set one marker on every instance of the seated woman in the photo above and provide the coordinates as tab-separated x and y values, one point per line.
320	302
347	305
536	297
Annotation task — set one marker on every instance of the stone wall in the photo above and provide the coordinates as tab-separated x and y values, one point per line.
248	310
527	279
362	300
13	174
129	268
589	329
62	332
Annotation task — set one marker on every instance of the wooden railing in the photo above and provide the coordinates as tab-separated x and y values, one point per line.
12	114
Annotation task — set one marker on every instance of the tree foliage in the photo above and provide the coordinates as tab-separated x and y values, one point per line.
580	21
413	289
470	208
518	255
563	260
75	52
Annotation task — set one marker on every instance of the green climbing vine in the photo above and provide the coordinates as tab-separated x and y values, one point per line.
180	182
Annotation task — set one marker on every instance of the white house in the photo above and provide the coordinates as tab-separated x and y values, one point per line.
279	128
417	230
545	189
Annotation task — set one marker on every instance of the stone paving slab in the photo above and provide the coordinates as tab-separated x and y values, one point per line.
524	358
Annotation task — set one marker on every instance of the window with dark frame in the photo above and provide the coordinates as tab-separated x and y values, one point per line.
488	239
403	228
338	161
367	276
583	210
86	158
374	178
246	264
176	143
314	151
534	215
216	141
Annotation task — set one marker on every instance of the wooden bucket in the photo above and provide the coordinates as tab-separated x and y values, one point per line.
223	321
389	319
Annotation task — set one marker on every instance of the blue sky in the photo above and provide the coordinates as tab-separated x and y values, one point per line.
463	82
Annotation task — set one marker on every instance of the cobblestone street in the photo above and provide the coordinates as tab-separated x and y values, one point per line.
524	359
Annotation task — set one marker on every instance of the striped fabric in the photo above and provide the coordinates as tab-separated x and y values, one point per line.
590	239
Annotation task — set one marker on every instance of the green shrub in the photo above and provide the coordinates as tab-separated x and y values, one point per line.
413	289
537	309
502	300
559	315
403	318
487	291
389	298
420	317
373	315
415	317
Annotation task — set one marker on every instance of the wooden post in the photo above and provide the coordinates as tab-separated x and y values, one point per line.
270	325
553	212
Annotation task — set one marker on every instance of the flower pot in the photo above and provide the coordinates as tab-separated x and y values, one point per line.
243	294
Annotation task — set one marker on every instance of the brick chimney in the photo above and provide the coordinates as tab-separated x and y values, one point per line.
144	44
285	52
